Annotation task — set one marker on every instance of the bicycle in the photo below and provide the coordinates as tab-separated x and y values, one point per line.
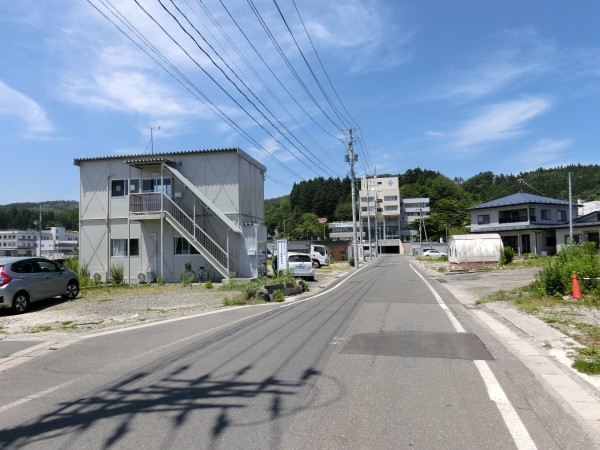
191	275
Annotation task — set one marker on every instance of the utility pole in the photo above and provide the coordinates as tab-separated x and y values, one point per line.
39	224
351	158
368	183
570	211
152	137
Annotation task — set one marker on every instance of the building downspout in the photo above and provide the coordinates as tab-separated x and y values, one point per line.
162	222
128	229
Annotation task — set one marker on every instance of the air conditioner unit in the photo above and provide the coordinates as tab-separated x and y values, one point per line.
99	277
145	277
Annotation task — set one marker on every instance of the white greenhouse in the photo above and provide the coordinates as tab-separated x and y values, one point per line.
475	248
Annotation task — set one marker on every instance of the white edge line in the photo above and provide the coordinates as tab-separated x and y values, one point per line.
511	419
31	397
455	323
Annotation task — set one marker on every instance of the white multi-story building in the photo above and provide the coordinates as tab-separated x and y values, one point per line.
54	242
57	242
18	242
379	208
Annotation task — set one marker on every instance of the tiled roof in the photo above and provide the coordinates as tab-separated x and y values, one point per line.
519	198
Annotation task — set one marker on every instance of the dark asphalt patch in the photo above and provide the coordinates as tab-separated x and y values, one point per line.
419	344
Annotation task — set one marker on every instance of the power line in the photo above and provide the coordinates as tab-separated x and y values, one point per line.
188	84
307	153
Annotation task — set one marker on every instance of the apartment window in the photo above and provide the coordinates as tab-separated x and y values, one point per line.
134	186
391	207
390	198
118	188
483	219
562	215
183	247
154	185
546	214
119	247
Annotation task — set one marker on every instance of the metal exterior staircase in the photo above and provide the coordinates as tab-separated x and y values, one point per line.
217	254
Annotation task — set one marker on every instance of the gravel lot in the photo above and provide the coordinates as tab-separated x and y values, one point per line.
107	307
104	308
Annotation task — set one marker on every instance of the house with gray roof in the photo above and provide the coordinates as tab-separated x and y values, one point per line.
151	214
526	222
585	229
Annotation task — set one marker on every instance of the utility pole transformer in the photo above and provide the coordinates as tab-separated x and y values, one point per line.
351	158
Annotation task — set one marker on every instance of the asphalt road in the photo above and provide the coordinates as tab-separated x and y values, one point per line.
387	359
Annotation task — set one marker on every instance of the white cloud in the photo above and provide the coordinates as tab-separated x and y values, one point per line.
500	121
542	153
521	55
16	104
364	33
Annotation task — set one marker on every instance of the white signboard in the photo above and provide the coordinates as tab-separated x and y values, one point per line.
282	245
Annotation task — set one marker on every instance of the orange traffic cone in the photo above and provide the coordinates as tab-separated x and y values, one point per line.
576	291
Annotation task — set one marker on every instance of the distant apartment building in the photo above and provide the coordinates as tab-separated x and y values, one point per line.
413	210
388	216
53	242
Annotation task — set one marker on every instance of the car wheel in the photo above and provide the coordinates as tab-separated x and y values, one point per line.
72	290
318	264
20	303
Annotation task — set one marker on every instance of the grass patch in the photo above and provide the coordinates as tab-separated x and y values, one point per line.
441	280
588	360
70	325
236	300
39	329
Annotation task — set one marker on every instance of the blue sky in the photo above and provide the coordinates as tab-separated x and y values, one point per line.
458	87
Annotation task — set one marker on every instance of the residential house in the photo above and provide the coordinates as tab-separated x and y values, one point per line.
151	214
585	229
526	222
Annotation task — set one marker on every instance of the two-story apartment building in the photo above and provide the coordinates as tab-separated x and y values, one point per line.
151	214
526	222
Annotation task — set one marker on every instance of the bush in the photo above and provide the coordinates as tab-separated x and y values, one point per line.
582	260
117	273
160	280
507	255
208	284
278	295
351	261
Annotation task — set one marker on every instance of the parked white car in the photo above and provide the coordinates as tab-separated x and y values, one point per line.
302	265
433	253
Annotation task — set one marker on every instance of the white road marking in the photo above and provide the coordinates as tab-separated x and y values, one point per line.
455	323
31	397
511	419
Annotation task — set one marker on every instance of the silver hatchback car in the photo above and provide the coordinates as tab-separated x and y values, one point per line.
28	279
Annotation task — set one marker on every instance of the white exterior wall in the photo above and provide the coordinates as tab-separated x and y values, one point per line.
232	181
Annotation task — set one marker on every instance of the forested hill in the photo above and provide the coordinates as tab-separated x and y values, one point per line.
553	183
22	216
331	198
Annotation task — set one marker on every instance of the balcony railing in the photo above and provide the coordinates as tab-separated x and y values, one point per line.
150	203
